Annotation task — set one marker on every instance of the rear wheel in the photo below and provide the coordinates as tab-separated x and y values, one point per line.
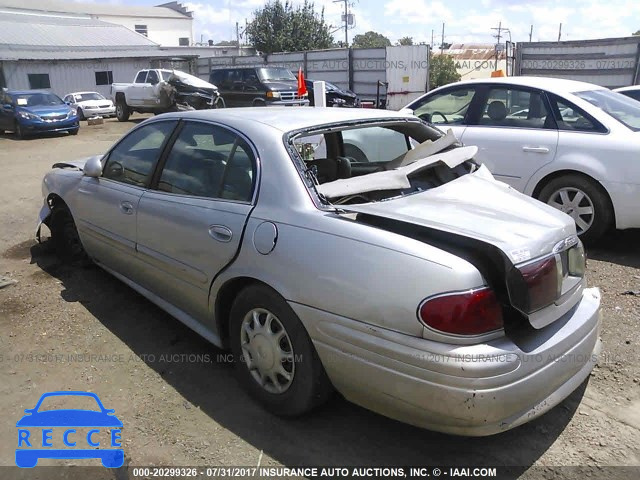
122	111
275	358
65	238
582	199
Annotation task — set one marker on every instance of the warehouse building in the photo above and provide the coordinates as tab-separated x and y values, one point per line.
169	24
66	54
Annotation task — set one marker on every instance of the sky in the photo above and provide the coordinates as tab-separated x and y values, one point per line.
464	20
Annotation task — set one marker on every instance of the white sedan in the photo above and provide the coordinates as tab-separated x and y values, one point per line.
573	145
90	104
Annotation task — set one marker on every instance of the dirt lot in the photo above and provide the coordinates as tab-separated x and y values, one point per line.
64	328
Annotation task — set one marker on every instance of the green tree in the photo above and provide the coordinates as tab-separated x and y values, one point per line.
281	27
405	41
637	33
370	40
442	70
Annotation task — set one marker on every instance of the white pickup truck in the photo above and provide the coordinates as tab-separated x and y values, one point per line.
160	90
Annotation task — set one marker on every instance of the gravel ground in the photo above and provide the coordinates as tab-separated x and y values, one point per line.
81	329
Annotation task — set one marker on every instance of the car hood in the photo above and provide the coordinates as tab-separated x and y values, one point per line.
46	109
184	80
69	418
282	85
477	206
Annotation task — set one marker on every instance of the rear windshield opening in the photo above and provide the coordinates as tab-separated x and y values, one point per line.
377	162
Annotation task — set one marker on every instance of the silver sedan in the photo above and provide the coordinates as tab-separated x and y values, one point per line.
410	281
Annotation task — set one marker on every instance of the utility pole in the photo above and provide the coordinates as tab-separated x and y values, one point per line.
498	36
346	21
560	32
530	33
442	41
432	38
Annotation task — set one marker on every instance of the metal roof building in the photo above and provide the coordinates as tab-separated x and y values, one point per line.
71	53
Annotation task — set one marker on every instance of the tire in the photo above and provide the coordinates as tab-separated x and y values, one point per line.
122	111
74	131
65	238
355	153
259	103
219	103
596	212
307	386
17	129
80	114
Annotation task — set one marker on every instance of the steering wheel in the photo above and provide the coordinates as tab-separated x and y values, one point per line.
441	115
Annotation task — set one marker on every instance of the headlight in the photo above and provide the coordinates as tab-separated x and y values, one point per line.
28	116
273	94
72	113
89	107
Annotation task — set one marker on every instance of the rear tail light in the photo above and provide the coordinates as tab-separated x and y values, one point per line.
544	282
472	312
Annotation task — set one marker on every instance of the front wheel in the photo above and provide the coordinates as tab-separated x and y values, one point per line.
275	358
80	114
18	130
122	111
219	103
583	200
65	238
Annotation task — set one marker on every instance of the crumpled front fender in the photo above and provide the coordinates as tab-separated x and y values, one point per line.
43	216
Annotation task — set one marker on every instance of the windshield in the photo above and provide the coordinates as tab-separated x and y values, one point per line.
275	74
165	74
615	104
37	99
83	97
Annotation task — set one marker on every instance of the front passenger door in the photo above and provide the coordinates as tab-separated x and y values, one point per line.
191	221
106	207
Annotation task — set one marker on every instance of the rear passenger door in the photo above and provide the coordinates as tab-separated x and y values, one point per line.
515	132
191	221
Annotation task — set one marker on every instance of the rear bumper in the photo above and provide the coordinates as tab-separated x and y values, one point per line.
473	390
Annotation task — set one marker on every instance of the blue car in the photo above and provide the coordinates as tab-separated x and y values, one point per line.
42	443
30	112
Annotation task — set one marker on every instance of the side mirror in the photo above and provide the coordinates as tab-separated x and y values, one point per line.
7	106
406	111
93	167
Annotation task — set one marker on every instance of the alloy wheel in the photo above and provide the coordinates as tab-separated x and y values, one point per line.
575	203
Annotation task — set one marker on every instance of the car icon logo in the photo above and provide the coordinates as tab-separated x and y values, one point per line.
36	438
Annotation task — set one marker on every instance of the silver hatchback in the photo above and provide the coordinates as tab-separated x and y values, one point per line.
412	282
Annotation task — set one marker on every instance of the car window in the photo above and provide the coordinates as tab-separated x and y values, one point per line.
635	94
573	118
132	161
209	161
448	107
152	78
513	107
616	105
250	78
142	76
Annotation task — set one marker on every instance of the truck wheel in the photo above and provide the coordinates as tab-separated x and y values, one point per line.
122	111
583	200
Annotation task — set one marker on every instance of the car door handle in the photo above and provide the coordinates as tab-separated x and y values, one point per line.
220	233
535	149
126	207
